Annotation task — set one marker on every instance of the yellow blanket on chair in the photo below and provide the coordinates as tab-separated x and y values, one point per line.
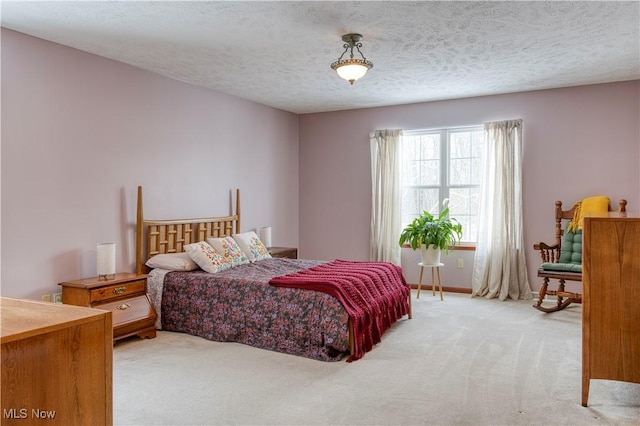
597	204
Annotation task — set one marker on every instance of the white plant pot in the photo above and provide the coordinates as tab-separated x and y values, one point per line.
430	255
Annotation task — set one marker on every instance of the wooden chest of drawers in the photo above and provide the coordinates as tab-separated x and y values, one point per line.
125	297
610	299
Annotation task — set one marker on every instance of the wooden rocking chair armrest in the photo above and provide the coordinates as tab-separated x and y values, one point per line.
548	253
545	246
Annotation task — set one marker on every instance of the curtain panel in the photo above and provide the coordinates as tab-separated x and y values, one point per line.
386	195
499	268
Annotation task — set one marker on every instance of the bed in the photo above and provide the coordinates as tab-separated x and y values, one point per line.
260	303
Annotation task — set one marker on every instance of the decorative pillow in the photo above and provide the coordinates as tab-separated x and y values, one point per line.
172	262
251	245
230	250
206	257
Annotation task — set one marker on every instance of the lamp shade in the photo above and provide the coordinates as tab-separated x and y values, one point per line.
352	72
265	235
106	259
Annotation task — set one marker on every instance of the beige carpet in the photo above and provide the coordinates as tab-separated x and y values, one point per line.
459	362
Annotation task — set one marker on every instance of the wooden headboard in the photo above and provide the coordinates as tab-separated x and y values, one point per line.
171	235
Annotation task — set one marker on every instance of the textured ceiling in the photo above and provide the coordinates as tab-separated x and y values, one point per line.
279	53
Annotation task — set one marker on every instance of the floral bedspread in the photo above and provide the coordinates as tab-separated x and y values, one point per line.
239	305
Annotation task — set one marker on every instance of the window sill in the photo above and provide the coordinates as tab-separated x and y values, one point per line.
461	247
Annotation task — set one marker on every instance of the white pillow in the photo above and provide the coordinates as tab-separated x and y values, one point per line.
252	246
172	262
230	250
206	257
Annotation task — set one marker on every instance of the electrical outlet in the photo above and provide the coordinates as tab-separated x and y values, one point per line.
46	298
57	297
460	263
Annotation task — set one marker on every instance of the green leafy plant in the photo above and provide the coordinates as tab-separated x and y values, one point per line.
441	231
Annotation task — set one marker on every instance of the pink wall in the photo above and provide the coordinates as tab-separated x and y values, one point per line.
579	141
80	132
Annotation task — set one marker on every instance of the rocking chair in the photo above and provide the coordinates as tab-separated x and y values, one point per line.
563	260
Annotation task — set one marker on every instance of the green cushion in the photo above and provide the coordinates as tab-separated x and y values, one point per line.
570	254
571	248
564	267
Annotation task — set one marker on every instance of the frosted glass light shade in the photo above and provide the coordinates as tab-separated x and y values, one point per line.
265	235
352	72
106	259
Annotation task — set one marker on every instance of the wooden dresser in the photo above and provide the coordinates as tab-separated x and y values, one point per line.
56	364
610	300
126	298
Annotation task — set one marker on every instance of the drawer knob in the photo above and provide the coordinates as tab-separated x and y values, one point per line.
124	306
119	290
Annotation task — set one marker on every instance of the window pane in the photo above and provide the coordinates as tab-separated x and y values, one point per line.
463	205
411	173
416	200
430	147
421	160
475	177
410	205
429	172
477	143
460	145
465	159
430	200
410	147
460	171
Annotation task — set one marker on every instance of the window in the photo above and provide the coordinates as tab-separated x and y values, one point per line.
443	164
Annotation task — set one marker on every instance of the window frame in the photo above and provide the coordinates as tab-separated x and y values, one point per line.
445	167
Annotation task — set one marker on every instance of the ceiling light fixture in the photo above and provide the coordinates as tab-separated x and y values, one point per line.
353	68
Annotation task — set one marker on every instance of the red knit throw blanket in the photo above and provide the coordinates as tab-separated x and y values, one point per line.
374	294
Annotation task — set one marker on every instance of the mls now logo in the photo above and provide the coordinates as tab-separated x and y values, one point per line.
23	413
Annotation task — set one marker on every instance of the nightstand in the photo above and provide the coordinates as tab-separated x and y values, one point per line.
283	252
126	298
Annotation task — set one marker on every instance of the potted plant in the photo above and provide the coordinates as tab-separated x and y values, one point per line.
432	234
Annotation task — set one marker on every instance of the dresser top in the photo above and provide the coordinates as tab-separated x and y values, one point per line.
20	318
612	215
94	282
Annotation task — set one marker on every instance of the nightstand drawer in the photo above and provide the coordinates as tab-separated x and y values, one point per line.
130	316
118	290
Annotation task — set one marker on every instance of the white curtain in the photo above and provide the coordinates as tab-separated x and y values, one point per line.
386	195
499	268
